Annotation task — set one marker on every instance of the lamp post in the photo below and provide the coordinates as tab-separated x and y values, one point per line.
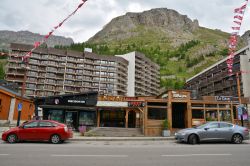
20	105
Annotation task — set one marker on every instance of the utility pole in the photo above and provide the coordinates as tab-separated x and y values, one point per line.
20	105
239	96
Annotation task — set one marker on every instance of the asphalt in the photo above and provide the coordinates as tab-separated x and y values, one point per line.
78	137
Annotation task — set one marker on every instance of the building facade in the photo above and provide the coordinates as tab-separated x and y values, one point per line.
215	81
144	113
52	72
9	101
143	75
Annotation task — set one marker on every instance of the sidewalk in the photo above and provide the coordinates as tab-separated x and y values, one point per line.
78	137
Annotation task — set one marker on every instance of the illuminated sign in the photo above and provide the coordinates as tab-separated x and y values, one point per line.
136	104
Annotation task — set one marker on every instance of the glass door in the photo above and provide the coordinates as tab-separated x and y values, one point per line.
71	119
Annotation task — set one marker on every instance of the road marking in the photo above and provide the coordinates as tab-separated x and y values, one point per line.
62	155
4	154
188	155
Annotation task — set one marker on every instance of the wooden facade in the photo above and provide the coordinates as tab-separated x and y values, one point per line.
177	106
9	101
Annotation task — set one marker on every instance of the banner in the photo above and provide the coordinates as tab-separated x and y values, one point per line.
238	18
25	59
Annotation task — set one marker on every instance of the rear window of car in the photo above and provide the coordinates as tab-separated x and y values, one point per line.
224	125
46	124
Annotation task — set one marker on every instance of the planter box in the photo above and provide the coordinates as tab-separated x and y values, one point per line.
166	133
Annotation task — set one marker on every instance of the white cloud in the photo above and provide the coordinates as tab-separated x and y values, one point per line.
40	16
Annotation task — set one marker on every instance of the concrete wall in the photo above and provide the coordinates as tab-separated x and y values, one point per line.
130	57
245	66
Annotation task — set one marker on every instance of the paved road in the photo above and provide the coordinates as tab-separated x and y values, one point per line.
124	153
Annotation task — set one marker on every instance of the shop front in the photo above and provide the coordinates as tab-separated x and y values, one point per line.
74	110
117	111
182	111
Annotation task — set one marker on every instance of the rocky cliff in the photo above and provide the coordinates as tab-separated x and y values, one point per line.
26	37
167	22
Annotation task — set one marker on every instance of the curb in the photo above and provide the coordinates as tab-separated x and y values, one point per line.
122	139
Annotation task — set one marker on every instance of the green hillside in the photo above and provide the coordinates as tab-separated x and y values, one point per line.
177	63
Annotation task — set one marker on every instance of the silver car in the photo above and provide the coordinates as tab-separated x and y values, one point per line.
213	131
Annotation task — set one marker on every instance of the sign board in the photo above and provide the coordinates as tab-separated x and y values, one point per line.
19	106
111	104
136	104
223	98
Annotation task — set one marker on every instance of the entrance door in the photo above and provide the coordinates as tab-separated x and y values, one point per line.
131	119
178	115
71	119
112	118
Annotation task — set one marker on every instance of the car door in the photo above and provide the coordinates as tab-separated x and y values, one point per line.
46	129
28	131
209	132
225	131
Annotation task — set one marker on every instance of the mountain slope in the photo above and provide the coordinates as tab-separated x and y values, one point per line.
26	37
178	44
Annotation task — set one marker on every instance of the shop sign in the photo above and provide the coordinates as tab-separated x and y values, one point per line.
72	100
178	95
223	98
111	104
136	104
77	101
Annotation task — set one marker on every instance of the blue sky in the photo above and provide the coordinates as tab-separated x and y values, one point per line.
39	16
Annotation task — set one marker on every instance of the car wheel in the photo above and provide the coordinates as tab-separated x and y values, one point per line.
12	138
192	139
55	139
237	139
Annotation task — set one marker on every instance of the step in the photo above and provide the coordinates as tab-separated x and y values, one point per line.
115	132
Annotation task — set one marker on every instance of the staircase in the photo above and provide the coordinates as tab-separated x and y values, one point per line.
114	132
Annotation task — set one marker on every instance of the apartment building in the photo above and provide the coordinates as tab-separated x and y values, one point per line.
143	75
215	81
52	72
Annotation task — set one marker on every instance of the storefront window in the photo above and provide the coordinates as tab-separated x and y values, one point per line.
56	115
225	115
157	113
197	114
211	115
87	118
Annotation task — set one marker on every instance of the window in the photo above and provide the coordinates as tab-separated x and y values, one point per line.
213	125
46	124
30	125
197	114
157	113
225	125
87	118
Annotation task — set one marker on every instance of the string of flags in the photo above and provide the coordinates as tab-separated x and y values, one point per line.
25	58
238	18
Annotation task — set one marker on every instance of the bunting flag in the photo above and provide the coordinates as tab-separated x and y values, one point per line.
25	58
238	18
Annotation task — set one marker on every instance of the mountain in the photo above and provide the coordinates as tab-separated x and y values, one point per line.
178	44
26	37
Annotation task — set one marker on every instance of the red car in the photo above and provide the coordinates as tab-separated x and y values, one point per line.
38	130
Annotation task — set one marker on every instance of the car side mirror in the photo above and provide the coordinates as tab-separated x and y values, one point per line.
206	128
21	127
